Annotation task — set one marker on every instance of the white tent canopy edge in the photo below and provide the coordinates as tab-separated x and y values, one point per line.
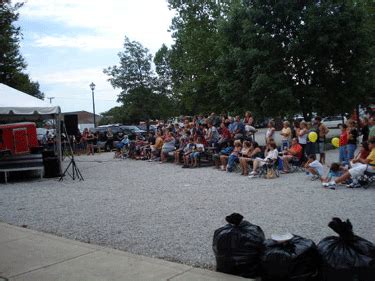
19	106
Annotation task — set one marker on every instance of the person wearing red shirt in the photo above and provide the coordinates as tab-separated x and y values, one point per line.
363	152
295	151
343	152
225	135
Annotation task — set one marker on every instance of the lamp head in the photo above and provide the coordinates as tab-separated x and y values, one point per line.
92	86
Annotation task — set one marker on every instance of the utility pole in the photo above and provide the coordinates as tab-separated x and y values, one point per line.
50	99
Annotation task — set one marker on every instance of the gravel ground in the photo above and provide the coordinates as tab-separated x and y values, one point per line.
161	210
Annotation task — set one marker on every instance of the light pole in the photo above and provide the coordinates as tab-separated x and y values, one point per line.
50	99
92	86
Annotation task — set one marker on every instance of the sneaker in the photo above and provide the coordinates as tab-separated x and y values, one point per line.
354	185
327	184
315	177
251	176
330	185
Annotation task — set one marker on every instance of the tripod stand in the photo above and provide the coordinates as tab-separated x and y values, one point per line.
75	171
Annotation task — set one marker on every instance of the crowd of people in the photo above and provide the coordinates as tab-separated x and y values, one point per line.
229	142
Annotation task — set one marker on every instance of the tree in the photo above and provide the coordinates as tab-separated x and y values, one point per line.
141	96
12	64
114	115
296	56
194	54
343	54
162	61
164	83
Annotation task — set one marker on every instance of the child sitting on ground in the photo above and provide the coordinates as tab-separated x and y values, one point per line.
336	170
314	168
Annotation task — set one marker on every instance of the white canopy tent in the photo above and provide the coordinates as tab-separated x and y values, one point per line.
14	102
18	106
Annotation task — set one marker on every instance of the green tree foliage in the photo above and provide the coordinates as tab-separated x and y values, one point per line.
273	57
144	95
276	58
12	64
342	56
194	54
114	115
295	56
162	61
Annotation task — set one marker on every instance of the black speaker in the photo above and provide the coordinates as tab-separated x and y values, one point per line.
51	167
48	153
71	124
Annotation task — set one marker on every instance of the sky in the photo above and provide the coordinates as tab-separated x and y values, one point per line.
68	43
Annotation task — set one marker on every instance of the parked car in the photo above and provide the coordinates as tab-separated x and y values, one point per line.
102	131
143	127
118	134
260	123
333	121
119	131
133	131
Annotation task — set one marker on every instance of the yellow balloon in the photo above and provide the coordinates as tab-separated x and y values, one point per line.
335	142
313	137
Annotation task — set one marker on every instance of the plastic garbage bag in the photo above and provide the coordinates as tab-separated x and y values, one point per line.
347	257
296	259
238	246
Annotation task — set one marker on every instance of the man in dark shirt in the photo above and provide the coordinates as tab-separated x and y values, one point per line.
352	139
239	128
151	138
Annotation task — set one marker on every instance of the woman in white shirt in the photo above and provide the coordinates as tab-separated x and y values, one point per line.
272	154
302	133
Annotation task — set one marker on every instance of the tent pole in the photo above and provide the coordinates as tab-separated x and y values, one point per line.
59	152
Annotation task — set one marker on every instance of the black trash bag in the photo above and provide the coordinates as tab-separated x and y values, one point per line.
238	247
347	257
296	259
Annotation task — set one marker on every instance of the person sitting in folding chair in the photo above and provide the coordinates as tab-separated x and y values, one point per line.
358	169
120	147
271	155
294	152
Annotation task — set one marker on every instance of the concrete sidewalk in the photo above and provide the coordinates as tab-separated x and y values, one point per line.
30	255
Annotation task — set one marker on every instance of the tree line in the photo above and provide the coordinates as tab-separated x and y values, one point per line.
275	58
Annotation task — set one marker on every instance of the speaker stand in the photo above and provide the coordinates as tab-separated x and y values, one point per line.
76	173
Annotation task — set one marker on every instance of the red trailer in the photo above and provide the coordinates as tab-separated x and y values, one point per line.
18	138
